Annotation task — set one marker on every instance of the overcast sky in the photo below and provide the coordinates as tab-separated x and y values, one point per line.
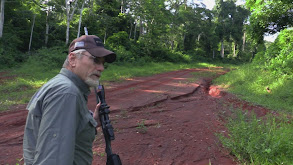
211	3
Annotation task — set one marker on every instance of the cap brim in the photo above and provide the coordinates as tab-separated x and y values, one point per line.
102	52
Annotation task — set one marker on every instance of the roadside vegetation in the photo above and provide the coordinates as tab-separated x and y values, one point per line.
259	141
260	87
267	81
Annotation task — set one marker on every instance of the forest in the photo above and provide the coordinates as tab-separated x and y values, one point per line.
150	30
151	34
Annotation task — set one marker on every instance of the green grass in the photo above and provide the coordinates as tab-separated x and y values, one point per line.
253	140
128	70
141	128
32	75
259	141
250	83
211	72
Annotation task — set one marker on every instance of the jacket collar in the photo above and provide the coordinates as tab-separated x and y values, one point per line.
83	87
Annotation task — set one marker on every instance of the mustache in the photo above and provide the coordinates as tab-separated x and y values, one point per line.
96	73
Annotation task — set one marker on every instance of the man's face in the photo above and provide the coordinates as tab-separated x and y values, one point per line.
89	69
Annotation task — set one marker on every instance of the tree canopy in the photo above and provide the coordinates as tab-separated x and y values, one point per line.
269	16
148	30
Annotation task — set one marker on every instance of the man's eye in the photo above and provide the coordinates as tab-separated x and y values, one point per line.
98	61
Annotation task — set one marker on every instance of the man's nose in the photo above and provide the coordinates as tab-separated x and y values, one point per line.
100	67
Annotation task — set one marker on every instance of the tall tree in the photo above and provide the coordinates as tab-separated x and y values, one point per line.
238	19
269	16
174	38
70	9
48	9
230	21
103	18
80	18
221	21
1	17
32	31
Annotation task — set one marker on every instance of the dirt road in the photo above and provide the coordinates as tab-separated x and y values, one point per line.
166	119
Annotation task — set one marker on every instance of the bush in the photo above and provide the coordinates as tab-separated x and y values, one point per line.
9	54
124	55
279	56
7	59
260	57
180	57
260	141
150	48
48	58
119	39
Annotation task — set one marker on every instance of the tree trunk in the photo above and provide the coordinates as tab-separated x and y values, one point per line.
243	44
122	7
134	37
198	37
69	17
67	32
222	49
31	38
105	36
141	28
2	17
184	36
47	27
130	31
67	21
253	54
234	50
79	23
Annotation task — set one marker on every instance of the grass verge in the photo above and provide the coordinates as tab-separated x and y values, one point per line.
259	86
253	140
259	141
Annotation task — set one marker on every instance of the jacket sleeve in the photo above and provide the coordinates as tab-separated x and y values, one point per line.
56	138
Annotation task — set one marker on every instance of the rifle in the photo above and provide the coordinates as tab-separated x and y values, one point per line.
112	159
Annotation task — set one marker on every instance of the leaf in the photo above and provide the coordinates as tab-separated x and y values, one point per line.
268	150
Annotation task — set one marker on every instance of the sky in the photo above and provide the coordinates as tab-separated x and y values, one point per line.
211	3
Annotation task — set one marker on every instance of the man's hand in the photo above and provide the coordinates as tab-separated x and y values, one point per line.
96	114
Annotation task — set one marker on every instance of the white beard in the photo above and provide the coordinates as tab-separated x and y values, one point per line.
92	83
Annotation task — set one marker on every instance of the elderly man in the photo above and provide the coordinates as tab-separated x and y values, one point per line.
59	128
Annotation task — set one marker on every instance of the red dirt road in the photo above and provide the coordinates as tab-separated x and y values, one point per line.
166	119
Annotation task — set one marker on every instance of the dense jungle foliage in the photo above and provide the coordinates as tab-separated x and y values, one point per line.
144	30
149	30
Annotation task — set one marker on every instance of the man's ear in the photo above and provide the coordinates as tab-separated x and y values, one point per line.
72	59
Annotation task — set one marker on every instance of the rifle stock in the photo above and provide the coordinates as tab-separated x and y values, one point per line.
112	159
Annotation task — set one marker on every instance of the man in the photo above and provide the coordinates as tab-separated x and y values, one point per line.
60	129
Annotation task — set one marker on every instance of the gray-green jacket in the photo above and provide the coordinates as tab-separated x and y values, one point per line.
59	128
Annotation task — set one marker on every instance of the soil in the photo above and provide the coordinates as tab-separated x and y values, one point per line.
165	119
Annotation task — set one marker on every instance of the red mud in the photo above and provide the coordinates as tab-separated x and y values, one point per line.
166	119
